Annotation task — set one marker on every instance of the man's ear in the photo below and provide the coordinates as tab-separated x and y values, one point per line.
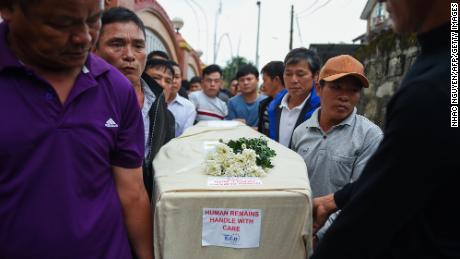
277	81
317	87
316	77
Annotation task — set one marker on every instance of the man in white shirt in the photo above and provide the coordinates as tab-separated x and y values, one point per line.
183	110
297	102
208	105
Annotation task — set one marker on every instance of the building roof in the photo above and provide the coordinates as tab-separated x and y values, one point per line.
327	51
367	9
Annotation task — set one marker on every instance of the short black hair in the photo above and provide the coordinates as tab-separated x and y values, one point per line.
274	69
123	15
302	54
159	53
246	70
23	4
174	63
185	84
195	79
212	69
155	62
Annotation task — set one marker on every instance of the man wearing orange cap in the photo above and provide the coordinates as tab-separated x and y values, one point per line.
336	142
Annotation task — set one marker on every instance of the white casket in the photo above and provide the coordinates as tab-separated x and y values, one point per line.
199	216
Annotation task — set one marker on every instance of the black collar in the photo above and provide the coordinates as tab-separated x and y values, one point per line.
153	85
436	39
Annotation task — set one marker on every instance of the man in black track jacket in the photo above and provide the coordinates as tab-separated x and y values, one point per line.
402	206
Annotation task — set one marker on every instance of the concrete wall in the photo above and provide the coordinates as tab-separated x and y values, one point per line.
386	61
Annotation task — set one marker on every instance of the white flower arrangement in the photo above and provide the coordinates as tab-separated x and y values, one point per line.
225	162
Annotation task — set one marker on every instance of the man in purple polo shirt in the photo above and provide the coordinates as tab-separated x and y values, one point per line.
71	139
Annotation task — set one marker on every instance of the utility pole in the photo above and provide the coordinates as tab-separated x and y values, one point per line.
292	27
258	35
219	11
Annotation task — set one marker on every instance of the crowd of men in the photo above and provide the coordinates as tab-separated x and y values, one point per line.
85	110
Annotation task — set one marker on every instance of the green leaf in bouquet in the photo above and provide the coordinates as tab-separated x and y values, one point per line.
259	145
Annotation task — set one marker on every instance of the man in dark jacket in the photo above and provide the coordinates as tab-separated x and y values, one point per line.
161	122
273	83
295	104
402	204
122	44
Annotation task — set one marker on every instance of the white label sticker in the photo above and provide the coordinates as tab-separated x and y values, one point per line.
233	181
236	228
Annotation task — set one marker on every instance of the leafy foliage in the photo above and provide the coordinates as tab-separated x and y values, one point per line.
232	67
259	145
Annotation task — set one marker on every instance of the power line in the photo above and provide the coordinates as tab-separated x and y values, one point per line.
308	8
320	7
301	14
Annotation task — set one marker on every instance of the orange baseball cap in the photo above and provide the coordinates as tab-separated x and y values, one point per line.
341	66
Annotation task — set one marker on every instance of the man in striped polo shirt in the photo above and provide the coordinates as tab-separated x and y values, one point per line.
208	105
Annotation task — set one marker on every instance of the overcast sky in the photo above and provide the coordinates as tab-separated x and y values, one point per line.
320	21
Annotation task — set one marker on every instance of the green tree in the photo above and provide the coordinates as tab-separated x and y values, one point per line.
232	67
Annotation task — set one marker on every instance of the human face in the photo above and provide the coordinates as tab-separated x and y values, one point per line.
177	80
338	98
211	84
162	76
54	35
122	44
269	85
248	84
234	87
409	15
194	87
298	79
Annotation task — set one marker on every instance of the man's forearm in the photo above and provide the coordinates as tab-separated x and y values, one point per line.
136	210
138	220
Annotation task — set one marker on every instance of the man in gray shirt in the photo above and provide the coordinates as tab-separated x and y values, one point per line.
336	142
